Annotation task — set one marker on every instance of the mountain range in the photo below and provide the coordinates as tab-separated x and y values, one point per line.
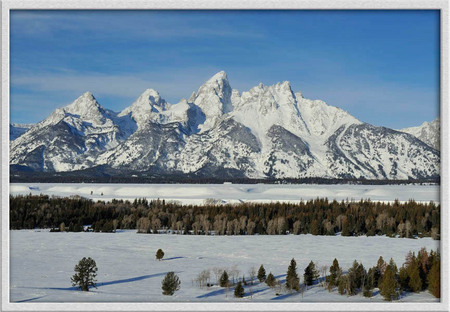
266	132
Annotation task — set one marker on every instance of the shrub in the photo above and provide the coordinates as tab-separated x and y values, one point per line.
86	272
159	254
270	280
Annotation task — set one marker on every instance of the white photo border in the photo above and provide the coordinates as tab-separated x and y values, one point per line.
441	5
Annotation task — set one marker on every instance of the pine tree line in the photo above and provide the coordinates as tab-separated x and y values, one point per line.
317	217
418	273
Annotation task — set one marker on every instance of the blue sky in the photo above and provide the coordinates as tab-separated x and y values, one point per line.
381	66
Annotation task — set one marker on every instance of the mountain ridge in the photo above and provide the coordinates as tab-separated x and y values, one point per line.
266	132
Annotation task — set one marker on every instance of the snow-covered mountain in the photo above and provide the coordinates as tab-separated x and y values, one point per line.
16	130
71	137
268	131
427	132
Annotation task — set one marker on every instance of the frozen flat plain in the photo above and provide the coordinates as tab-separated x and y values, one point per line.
197	193
43	262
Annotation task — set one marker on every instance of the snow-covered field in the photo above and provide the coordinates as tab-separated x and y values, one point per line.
42	264
197	193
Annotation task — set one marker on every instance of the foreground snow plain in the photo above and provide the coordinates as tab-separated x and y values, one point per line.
231	193
43	262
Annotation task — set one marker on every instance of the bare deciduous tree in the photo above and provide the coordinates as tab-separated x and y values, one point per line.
323	272
234	272
217	273
252	274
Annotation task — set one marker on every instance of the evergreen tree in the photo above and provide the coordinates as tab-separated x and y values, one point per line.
261	274
389	285
342	285
403	278
315	230
239	290
311	274
356	277
335	274
368	283
346	229
424	266
86	272
434	278
292	279
393	266
224	281
379	271
415	282
159	254
170	284
271	281
108	227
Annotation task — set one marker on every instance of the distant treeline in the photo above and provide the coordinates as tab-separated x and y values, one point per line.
317	217
99	176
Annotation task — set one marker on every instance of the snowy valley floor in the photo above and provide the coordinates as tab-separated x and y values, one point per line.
232	193
43	262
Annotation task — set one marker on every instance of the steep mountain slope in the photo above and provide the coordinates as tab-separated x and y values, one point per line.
427	132
268	131
16	130
366	151
70	138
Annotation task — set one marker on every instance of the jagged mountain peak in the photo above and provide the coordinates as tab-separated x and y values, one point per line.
218	83
220	76
214	99
85	107
152	96
83	104
279	87
269	98
149	106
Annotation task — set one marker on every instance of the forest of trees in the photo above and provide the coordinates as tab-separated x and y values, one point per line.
317	217
103	174
418	273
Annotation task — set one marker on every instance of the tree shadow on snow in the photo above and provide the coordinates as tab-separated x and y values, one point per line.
231	289
74	288
132	279
214	293
249	294
281	297
31	299
173	258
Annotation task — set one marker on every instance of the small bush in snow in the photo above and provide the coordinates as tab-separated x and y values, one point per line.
159	254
